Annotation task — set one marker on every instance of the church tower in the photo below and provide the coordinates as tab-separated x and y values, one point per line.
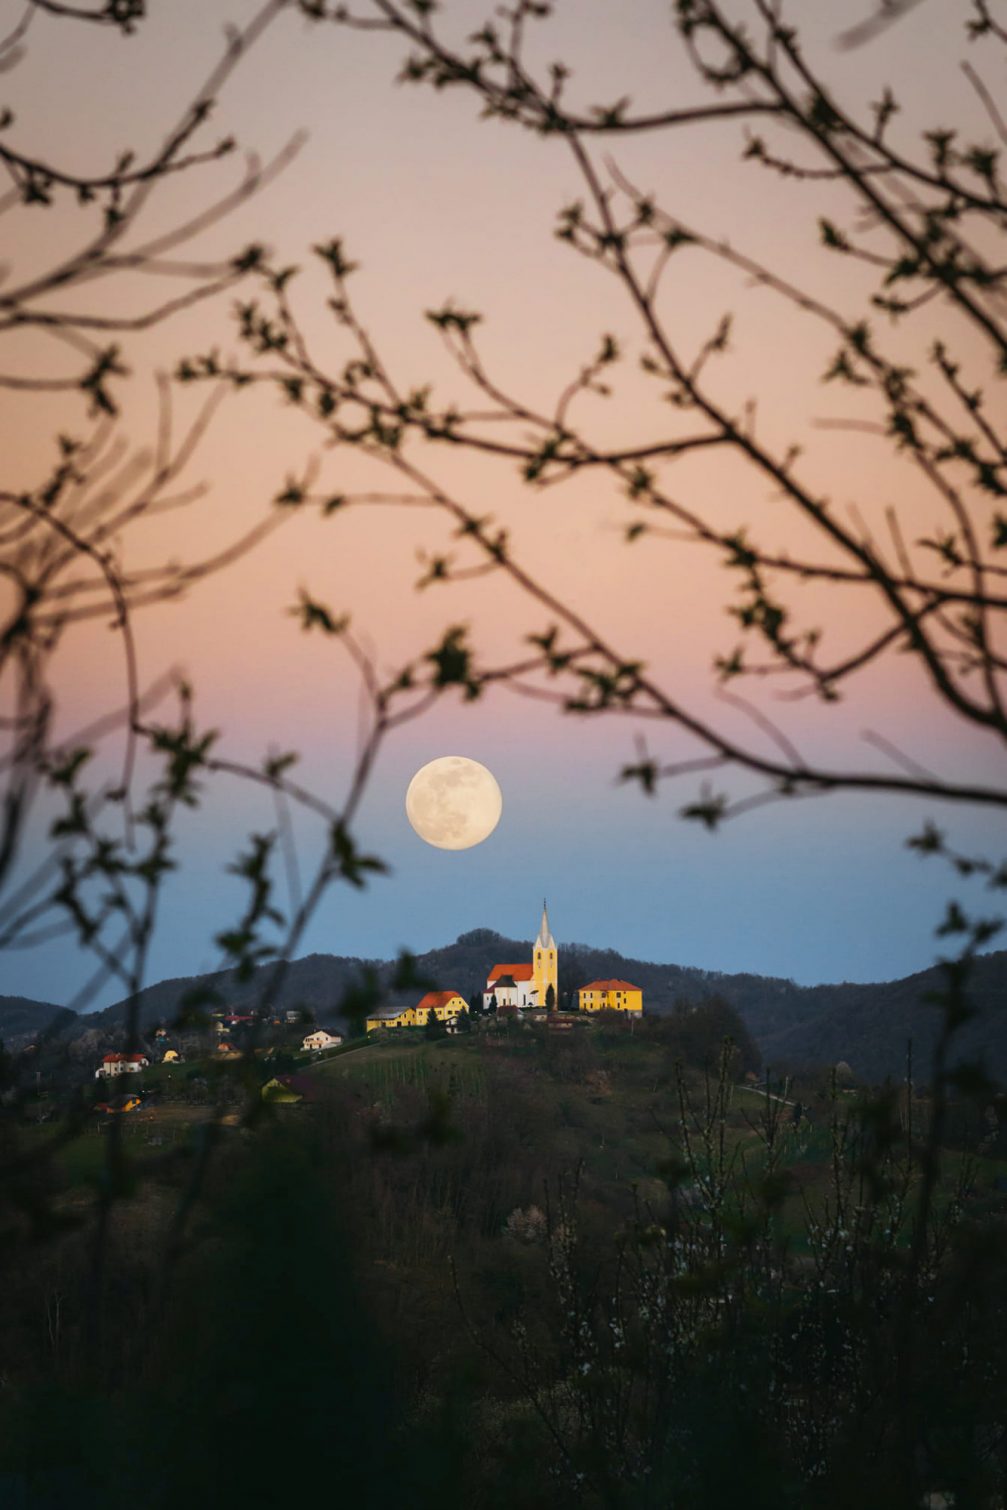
545	972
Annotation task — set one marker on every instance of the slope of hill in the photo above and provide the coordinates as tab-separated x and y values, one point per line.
318	982
23	1021
867	1025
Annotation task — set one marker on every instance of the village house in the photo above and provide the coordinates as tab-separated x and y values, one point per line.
121	1104
610	996
278	1093
121	1064
446	1006
321	1039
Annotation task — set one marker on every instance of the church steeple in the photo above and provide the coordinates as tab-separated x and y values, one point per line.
545	973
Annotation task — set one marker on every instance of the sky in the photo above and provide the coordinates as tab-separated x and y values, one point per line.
436	204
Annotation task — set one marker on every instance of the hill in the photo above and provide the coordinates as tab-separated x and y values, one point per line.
319	983
23	1021
867	1025
873	1023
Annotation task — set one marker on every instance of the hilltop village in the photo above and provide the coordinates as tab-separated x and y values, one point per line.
524	989
514	991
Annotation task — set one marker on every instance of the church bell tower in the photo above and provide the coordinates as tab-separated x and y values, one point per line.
545	972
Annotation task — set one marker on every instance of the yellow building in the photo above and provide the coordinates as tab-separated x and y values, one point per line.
445	1006
610	996
277	1092
545	970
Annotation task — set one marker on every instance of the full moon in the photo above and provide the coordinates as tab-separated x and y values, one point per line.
454	802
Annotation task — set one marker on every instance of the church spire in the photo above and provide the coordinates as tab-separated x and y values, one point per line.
545	939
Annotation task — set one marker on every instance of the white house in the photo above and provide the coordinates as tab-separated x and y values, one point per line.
121	1064
321	1039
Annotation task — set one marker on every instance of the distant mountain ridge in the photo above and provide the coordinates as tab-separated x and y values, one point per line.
867	1025
23	1021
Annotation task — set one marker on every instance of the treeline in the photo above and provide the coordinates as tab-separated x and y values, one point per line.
525	1268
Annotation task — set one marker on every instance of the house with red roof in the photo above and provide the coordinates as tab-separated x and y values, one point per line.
446	1006
610	996
121	1064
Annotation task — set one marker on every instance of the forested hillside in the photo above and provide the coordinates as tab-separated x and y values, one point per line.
866	1025
22	1020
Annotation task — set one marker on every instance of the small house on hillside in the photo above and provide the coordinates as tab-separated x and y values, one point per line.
446	1006
278	1093
291	1089
171	1056
610	996
392	1017
226	1050
121	1064
321	1039
119	1105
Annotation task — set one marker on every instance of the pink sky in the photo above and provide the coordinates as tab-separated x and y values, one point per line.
435	205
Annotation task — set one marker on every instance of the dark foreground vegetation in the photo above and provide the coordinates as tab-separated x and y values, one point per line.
518	1267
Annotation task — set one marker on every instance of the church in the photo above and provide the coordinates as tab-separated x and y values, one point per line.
534	985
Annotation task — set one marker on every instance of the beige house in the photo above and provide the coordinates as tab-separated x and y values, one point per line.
121	1064
321	1039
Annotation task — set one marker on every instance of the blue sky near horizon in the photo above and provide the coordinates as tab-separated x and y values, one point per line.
816	890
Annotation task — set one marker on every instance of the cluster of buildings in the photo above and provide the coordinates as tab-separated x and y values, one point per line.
164	1052
444	1006
522	987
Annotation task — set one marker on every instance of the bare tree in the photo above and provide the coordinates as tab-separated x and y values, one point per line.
112	840
926	222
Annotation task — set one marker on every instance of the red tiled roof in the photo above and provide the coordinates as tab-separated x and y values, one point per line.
609	985
122	1058
436	999
519	972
